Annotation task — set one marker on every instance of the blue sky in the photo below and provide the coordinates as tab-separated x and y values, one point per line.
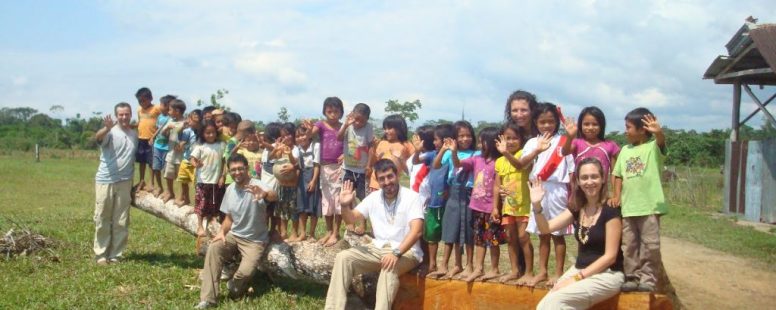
470	55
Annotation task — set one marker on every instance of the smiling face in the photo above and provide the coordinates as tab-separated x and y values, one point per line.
211	133
194	120
123	116
359	120
390	134
302	139
591	181
464	138
388	182
545	123
590	127
239	172
635	135
332	114
251	142
287	138
520	112
512	139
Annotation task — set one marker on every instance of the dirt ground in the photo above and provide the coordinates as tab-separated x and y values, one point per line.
710	279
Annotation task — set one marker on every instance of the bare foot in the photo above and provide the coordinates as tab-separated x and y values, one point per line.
525	279
325	238
180	202
439	272
332	240
165	196
551	282
201	232
490	275
292	238
538	278
473	276
452	273
465	274
508	277
359	230
301	238
157	192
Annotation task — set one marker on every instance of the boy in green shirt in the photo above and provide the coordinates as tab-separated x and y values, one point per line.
637	186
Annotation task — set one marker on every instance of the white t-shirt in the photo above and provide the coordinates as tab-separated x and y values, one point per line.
309	157
566	166
408	207
117	156
210	154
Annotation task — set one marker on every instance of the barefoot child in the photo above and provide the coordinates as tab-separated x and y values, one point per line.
456	222
207	158
357	136
488	233
249	147
187	140
308	193
285	170
174	156
554	170
637	187
511	186
394	146
330	167
437	198
160	146
146	126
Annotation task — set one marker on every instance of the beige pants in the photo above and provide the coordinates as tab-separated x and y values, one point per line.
641	247
221	251
111	218
585	293
358	260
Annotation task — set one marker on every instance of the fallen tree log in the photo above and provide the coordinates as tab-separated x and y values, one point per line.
311	262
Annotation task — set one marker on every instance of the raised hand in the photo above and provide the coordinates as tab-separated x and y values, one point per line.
651	124
307	123
571	128
350	120
450	144
417	143
108	122
501	144
544	142
536	191
256	191
347	193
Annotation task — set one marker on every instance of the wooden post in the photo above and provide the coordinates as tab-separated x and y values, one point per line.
736	111
37	153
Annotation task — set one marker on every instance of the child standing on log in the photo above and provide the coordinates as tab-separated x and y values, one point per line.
174	156
308	194
555	171
207	158
159	142
357	136
286	172
438	193
188	139
637	187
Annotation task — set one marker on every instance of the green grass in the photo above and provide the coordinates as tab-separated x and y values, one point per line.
56	198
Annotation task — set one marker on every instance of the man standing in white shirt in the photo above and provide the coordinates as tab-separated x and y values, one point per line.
396	215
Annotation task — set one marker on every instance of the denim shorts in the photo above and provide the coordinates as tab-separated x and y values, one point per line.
158	162
145	152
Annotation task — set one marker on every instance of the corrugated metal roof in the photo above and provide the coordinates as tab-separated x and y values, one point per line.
752	58
764	37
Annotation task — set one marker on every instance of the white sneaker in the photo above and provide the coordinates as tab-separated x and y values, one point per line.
204	305
102	262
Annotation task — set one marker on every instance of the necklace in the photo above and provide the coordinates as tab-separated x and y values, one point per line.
585	222
390	210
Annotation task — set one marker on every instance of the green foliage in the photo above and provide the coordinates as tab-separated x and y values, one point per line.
407	109
436	122
215	100
283	115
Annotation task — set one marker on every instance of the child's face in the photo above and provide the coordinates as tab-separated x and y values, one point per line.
145	101
513	140
287	138
175	114
233	130
545	123
590	180
207	116
390	134
332	113
590	127
251	143
635	135
194	120
211	133
164	108
464	139
438	142
302	139
219	121
520	112
359	120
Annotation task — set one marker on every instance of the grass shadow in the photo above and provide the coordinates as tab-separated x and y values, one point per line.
166	260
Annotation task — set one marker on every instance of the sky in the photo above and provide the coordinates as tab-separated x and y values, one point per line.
454	56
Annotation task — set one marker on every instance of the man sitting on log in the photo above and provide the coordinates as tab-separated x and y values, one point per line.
244	229
396	215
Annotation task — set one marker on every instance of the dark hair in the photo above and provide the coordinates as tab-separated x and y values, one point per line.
596	113
518	95
300	130
198	112
383	165
488	136
426	134
290	128
205	125
466	125
272	131
237	158
396	122
333	102
231	118
178	105
444	131
636	116
143	92
580	200
362	109
208	109
520	131
121	105
545	107
167	99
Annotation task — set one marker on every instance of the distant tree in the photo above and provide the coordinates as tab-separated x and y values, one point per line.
215	100
283	115
483	124
406	109
437	122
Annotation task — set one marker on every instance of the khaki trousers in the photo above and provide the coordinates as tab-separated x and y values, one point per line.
585	293
221	251
358	260
111	218
641	247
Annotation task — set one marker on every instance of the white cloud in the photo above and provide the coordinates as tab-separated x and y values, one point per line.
273	65
19	81
650	97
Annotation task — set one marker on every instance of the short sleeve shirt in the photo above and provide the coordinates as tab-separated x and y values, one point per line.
161	141
146	121
595	247
331	147
210	156
307	158
174	156
249	216
355	147
566	166
604	151
517	203
437	181
408	208
117	156
189	136
639	166
398	152
484	172
455	176
254	161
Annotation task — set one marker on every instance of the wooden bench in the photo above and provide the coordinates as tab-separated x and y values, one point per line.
422	293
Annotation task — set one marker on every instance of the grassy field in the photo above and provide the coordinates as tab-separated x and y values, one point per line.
56	198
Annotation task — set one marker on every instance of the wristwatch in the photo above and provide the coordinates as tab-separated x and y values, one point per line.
396	252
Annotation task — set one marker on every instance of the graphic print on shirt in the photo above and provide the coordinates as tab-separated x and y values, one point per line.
480	189
355	153
634	166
